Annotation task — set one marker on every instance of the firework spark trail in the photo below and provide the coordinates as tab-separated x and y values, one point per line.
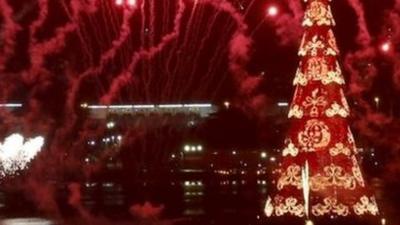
197	47
144	44
92	28
175	47
363	36
168	58
124	55
123	78
178	51
75	17
200	48
43	12
39	51
125	31
249	6
107	16
217	58
191	39
151	32
165	26
27	8
9	33
239	45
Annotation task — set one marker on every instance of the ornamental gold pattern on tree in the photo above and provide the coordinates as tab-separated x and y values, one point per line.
319	135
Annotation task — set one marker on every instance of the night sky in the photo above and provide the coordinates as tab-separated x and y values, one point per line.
57	55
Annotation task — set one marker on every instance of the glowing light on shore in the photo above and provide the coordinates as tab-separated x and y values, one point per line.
26	221
11	105
268	209
16	154
309	222
164	106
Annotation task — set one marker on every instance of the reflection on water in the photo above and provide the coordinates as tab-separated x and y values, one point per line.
191	198
2	200
193	201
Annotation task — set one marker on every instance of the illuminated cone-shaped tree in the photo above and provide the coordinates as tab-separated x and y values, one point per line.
319	174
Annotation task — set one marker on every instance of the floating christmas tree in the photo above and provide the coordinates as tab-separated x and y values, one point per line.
319	174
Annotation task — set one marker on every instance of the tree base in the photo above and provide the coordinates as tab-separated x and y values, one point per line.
325	221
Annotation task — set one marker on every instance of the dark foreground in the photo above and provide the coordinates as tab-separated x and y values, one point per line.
190	202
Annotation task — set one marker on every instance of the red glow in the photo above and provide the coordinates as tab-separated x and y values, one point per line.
272	11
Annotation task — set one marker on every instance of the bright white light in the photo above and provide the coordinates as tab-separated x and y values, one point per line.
386	47
121	106
263	155
171	106
26	221
268	209
309	222
11	105
272	11
283	104
15	154
186	148
110	125
97	107
227	104
305	179
132	2
199	148
119	2
144	106
197	105
135	106
272	159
